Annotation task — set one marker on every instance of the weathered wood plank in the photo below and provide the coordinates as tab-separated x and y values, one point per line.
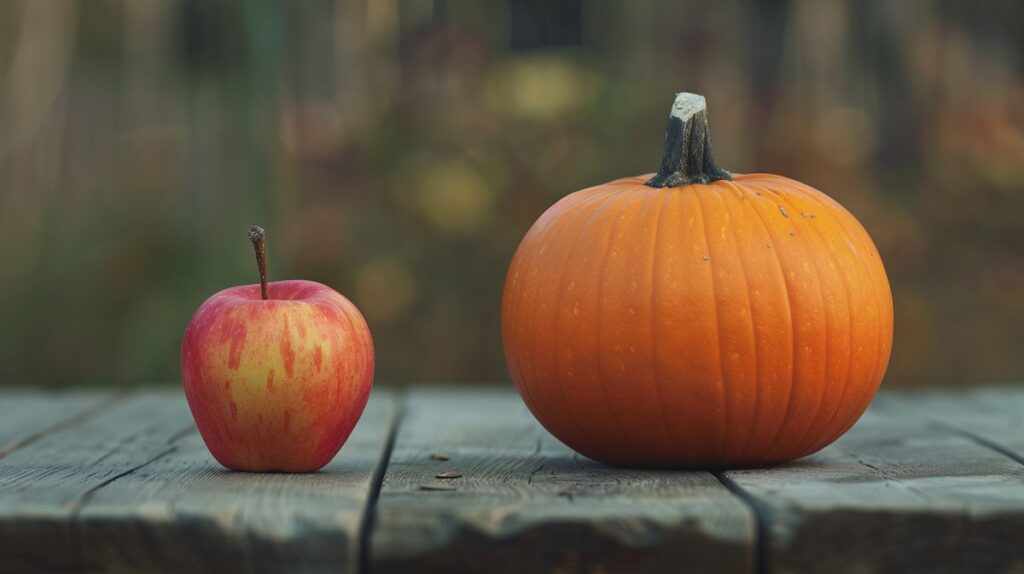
136	490
26	415
184	513
526	503
895	494
43	485
927	481
991	415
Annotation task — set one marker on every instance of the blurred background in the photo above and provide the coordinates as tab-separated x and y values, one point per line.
398	150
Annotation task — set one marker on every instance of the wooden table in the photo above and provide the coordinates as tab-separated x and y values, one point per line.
926	482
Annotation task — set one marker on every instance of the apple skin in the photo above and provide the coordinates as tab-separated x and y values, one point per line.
277	384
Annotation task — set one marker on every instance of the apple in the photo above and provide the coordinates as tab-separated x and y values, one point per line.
276	374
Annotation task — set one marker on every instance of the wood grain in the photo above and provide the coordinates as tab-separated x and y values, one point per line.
527	503
136	490
993	416
926	482
895	494
27	415
43	485
186	513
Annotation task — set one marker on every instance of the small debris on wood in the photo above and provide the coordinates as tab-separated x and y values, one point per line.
706	257
784	212
449	474
568	491
769	245
437	487
440	456
792	233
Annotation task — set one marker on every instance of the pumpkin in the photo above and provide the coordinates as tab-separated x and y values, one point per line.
697	318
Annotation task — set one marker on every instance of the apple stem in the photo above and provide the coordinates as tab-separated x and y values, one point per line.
258	238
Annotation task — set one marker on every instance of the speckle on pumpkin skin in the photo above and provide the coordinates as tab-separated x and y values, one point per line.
784	212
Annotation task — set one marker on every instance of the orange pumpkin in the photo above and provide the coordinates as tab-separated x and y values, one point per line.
697	318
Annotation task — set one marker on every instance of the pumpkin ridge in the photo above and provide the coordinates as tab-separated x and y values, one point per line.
595	207
723	394
824	306
653	321
695	382
792	328
828	424
600	293
829	328
842	216
866	393
753	329
530	375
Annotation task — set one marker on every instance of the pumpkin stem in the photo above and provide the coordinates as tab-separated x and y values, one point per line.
688	157
258	237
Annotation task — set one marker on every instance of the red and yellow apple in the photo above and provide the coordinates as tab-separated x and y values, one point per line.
276	374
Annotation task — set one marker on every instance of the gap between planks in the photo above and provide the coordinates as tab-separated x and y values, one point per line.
762	513
954	457
525	501
76	506
97	504
377	481
761	516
